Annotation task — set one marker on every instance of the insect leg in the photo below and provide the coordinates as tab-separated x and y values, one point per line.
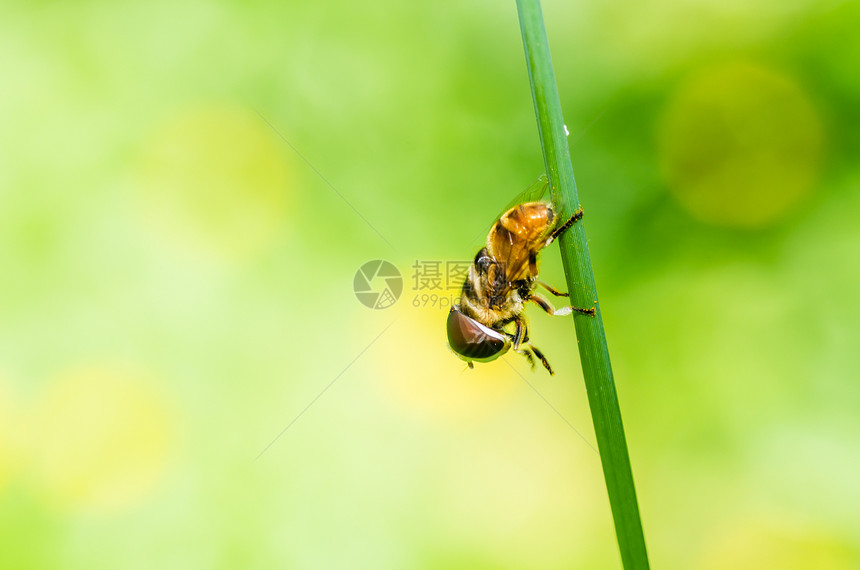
520	333
542	303
546	306
577	215
553	290
527	353
543	359
533	269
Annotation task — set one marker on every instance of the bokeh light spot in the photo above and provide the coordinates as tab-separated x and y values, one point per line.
216	176
8	456
438	384
752	545
102	440
740	145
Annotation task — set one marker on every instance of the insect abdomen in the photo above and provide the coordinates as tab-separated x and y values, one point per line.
525	222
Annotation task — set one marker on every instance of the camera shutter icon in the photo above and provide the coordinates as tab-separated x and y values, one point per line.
377	284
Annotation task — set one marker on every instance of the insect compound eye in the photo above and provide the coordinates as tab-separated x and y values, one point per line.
472	340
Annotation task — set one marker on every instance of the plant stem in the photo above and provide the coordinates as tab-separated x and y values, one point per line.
593	352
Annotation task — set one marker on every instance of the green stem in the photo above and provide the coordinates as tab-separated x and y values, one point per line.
593	352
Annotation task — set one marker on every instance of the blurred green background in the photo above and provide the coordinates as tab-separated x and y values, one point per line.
177	284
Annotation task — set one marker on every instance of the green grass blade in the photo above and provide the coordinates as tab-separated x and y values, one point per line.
594	354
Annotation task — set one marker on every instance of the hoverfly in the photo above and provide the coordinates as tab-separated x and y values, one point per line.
503	277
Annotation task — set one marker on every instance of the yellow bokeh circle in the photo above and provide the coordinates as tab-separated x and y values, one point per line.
8	441
100	441
756	544
422	375
740	145
215	176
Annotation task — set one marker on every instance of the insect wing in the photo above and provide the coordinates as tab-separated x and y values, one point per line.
535	191
514	253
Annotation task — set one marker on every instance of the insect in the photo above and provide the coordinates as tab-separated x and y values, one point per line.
488	320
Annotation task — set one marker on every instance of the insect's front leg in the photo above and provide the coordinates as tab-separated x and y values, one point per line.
523	347
521	333
546	306
577	215
553	290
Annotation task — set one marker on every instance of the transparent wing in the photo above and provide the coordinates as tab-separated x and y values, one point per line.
534	192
